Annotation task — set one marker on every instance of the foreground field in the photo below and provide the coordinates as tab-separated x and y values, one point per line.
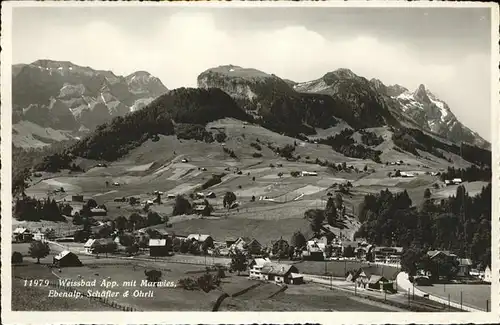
473	295
308	297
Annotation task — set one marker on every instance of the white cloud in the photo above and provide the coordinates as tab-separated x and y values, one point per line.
185	45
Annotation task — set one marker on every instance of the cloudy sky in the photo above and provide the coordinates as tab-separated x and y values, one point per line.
446	49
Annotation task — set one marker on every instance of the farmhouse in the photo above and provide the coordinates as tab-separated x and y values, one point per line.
444	256
280	273
256	266
230	241
464	266
158	247
363	251
456	181
388	255
40	236
89	246
306	173
202	239
211	195
66	259
22	235
247	244
170	196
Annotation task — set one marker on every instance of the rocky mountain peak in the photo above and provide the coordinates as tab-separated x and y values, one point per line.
421	95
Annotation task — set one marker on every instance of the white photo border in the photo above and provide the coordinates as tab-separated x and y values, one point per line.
62	317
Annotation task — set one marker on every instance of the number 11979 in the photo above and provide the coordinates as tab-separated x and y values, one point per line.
36	283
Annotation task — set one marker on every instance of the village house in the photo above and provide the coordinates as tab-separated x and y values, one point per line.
39	236
22	235
444	256
464	267
251	245
66	259
230	241
314	251
388	255
255	266
373	278
202	239
363	251
158	247
89	246
281	273
211	195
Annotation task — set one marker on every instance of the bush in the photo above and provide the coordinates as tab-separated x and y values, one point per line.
17	258
215	179
256	155
256	146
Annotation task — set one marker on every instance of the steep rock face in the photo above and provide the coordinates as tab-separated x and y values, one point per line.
364	99
62	95
433	114
272	100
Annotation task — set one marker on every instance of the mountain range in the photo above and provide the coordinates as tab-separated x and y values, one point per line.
65	100
62	96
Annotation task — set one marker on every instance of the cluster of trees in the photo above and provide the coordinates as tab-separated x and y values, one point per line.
190	131
345	144
215	179
114	139
286	151
256	146
410	140
469	174
229	199
230	152
369	138
406	142
182	206
460	223
333	214
206	282
30	209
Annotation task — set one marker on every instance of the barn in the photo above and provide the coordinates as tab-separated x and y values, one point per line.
66	259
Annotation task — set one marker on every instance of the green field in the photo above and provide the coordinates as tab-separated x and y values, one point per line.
473	295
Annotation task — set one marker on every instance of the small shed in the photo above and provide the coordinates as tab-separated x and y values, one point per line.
158	247
66	259
296	278
98	212
377	282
